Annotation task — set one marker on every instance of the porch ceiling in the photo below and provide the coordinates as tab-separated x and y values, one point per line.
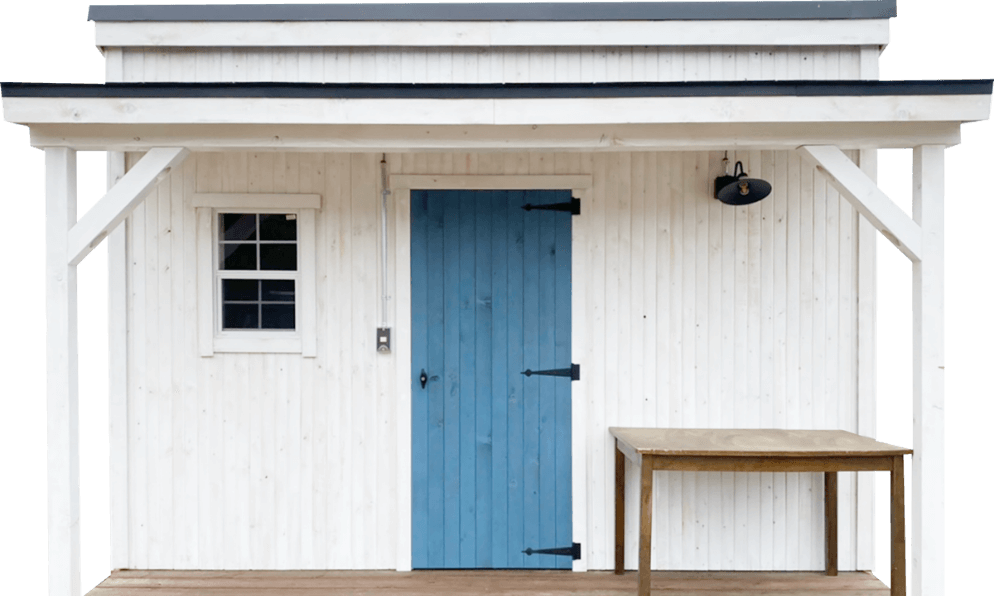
373	117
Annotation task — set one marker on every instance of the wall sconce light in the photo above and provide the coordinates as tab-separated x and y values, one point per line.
739	188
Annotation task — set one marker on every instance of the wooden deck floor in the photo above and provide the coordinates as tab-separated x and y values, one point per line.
490	583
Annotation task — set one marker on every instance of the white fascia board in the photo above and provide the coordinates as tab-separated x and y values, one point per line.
532	112
858	32
632	110
403	138
228	110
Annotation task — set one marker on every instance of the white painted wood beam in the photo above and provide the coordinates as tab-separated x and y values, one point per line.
492	34
928	463
866	338
121	199
866	196
501	111
866	367
398	139
117	340
62	376
117	316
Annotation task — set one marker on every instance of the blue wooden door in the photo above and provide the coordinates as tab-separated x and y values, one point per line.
491	447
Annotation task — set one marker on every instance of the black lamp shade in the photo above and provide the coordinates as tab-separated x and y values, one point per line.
740	189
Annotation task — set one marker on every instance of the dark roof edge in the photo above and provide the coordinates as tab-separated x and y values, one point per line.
500	91
518	11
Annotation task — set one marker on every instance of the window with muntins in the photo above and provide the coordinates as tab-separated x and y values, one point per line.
257	270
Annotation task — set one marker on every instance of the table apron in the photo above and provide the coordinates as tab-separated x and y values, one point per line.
690	463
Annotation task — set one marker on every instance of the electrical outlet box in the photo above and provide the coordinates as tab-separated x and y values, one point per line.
383	340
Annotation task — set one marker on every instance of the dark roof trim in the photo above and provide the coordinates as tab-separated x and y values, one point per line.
518	11
499	91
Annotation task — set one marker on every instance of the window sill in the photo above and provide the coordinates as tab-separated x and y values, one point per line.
259	345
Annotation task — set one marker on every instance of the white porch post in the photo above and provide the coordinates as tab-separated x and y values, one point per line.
62	388
117	303
928	473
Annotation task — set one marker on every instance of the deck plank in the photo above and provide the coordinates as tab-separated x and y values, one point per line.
546	583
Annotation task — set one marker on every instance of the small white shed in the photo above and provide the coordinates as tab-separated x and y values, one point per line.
293	184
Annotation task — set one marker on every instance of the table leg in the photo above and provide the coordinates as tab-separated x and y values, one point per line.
831	523
898	576
645	527
619	510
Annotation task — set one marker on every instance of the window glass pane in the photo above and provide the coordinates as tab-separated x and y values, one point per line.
237	226
240	289
238	257
277	316
240	316
277	290
278	227
278	257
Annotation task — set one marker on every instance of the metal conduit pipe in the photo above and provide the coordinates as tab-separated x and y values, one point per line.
385	191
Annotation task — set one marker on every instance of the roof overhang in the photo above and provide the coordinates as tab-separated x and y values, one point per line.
363	34
569	24
374	117
503	11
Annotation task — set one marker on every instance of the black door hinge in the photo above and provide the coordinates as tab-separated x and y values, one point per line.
573	372
564	551
573	206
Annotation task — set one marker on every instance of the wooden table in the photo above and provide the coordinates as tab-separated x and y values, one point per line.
761	450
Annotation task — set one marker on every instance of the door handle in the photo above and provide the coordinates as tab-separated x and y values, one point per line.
423	378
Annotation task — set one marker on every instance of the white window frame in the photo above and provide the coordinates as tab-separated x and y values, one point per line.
212	338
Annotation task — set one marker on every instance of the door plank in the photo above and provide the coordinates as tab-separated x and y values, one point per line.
545	264
500	385
563	395
515	289
484	384
451	378
466	325
531	395
436	389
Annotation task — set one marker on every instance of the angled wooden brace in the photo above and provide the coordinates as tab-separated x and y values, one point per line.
121	200
864	194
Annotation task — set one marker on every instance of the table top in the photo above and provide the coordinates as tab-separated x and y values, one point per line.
751	442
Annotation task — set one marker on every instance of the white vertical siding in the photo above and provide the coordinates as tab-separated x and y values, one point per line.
491	65
260	460
729	281
698	315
